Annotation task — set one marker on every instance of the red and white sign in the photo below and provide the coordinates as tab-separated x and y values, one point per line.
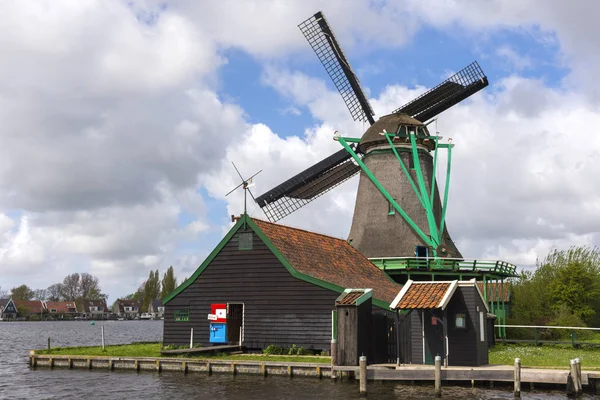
219	311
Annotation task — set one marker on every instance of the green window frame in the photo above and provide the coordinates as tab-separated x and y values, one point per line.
245	241
391	209
182	315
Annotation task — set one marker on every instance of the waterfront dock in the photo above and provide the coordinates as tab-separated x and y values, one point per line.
489	374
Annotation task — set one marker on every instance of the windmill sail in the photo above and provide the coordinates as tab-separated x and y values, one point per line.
321	38
308	185
452	91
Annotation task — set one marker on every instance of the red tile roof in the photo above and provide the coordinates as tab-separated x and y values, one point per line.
350	298
61	307
30	306
495	291
423	295
329	259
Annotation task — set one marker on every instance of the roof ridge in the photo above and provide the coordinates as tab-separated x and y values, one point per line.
300	229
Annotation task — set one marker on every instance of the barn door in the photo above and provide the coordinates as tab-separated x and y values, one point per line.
235	318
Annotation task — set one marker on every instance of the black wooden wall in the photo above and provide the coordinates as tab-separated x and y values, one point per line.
466	347
278	308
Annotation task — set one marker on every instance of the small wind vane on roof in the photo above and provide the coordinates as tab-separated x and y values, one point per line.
246	185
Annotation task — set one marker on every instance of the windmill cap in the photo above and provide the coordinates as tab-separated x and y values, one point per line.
389	123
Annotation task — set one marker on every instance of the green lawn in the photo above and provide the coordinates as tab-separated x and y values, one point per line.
545	356
153	350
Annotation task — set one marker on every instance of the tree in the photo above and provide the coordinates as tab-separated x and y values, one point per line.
89	287
40	294
71	287
3	293
169	283
22	292
151	290
54	292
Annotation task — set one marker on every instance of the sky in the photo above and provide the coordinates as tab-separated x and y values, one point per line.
119	121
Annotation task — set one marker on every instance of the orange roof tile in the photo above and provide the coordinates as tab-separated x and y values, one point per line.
329	259
423	295
350	298
61	307
30	306
495	291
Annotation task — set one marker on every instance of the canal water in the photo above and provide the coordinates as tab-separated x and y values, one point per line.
18	381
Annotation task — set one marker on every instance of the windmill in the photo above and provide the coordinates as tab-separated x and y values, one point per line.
246	185
398	210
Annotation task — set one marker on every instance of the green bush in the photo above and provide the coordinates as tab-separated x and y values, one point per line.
34	317
293	350
273	350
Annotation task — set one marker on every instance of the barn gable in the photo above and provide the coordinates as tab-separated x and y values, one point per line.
284	300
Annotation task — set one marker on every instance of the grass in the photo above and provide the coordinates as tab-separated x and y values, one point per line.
546	356
153	350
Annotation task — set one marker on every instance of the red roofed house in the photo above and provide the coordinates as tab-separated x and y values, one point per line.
268	284
60	309
22	308
449	319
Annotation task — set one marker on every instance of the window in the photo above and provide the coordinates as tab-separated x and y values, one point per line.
460	321
93	309
391	209
481	327
182	315
245	241
53	310
421	251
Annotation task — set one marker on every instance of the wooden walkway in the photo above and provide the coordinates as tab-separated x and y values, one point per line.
493	373
198	350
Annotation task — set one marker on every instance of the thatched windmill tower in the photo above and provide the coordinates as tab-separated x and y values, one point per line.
399	211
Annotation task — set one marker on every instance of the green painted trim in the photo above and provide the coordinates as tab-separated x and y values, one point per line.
435	154
433	229
446	190
334	325
206	262
389	198
406	173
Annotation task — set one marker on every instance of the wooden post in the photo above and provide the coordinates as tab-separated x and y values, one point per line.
102	330
579	381
70	362
89	363
184	367
48	342
136	365
333	358
208	368
517	377
575	378
318	371
51	362
158	366
362	362
191	338
263	369
438	376
232	367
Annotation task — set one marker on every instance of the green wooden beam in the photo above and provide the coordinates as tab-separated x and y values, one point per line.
385	193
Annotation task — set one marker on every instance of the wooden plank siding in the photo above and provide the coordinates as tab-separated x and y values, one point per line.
278	308
465	345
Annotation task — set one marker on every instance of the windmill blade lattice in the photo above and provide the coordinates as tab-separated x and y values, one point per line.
321	38
452	91
307	186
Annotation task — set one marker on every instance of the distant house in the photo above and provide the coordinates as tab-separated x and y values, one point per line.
22	308
128	309
3	303
61	309
156	309
95	309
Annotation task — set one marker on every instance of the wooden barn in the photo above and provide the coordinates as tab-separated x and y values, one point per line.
449	319
267	284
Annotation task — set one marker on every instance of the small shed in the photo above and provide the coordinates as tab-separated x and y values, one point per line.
353	311
448	319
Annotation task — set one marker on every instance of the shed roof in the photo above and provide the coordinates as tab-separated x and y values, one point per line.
427	295
422	295
328	259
